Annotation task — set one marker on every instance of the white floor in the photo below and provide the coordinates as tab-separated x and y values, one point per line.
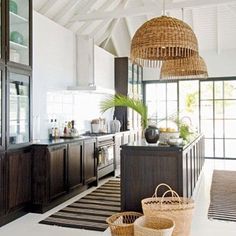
28	224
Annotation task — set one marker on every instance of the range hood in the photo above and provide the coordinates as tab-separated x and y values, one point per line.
85	67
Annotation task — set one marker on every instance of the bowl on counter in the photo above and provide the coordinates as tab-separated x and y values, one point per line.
166	135
175	141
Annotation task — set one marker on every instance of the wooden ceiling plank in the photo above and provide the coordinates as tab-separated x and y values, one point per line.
121	5
144	10
104	6
65	9
47	6
83	10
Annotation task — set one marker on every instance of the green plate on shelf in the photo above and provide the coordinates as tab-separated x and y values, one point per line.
16	37
13	7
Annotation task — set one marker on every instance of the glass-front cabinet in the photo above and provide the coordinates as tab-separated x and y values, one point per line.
16	71
19	32
19	108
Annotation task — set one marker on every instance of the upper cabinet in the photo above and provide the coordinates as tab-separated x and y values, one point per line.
19	31
16	33
15	73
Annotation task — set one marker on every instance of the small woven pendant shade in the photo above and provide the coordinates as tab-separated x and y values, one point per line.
192	67
160	39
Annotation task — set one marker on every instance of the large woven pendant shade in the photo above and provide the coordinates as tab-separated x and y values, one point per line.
160	39
192	67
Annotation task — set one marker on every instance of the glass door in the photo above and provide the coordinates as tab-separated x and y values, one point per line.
19	109
19	31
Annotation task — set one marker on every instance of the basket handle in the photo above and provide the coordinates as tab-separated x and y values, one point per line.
174	194
166	185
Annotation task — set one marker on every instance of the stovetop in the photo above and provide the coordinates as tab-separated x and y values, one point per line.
95	134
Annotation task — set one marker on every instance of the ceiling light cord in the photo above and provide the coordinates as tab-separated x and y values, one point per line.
164	7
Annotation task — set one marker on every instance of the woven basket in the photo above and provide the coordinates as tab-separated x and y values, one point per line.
122	224
153	226
179	209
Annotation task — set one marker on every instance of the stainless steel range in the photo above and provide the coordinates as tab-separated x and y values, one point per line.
105	151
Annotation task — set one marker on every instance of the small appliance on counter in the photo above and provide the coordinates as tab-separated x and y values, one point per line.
98	125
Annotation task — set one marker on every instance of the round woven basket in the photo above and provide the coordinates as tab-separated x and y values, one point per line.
179	209
153	226
122	224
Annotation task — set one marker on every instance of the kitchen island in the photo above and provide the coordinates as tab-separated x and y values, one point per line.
144	166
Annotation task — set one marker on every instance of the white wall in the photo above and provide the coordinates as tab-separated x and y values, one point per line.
53	63
54	69
218	65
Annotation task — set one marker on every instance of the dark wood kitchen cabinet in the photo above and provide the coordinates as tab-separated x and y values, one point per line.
57	162
75	177
90	161
61	171
179	167
128	82
18	179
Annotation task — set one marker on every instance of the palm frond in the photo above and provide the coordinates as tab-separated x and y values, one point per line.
123	101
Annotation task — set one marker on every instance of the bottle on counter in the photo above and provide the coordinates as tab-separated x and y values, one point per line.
65	131
73	131
51	130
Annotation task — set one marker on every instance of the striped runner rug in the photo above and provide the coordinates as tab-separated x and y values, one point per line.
223	196
91	211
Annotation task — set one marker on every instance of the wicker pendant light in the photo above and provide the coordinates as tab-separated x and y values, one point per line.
192	67
160	39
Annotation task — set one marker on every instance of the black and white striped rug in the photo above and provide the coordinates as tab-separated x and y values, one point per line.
223	196
91	211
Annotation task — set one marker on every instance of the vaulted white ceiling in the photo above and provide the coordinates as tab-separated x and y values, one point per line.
112	23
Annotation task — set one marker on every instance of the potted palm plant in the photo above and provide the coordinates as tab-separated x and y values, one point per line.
138	106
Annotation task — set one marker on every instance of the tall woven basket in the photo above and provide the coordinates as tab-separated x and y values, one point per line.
122	224
179	209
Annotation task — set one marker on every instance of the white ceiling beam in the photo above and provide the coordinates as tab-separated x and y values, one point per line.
99	28
104	23
128	27
114	23
67	8
115	47
83	10
47	6
104	6
101	38
144	10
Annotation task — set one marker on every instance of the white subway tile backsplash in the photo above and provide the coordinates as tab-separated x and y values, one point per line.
81	107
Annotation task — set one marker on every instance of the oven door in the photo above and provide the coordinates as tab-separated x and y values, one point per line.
105	156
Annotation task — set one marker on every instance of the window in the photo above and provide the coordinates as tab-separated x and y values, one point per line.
210	105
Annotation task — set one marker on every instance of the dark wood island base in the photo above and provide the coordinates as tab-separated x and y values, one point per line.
144	166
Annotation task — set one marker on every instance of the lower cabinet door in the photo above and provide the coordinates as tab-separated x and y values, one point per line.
90	161
57	162
75	164
19	178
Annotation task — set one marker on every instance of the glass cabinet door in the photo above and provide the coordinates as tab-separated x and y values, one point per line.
19	36
19	113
